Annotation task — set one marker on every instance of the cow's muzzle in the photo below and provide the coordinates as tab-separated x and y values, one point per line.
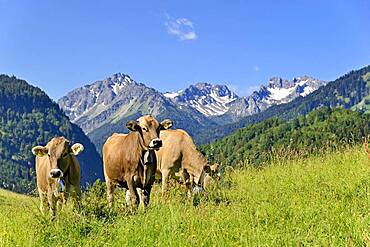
56	173
155	143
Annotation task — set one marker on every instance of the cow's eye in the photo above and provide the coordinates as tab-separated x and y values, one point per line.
145	129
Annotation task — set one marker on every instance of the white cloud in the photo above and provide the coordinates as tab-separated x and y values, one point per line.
181	27
256	68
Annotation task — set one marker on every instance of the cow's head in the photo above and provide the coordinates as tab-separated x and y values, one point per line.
148	128
58	151
211	173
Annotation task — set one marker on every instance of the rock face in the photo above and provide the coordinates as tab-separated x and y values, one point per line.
91	105
102	107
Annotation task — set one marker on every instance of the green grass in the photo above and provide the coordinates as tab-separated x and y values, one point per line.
318	201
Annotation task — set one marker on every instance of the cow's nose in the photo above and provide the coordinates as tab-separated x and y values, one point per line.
56	173
156	143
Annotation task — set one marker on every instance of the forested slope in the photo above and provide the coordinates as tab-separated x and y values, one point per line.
319	131
28	117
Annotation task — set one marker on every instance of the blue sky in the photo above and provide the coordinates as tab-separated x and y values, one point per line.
168	45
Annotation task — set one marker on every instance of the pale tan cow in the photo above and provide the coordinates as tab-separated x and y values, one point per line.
179	157
57	166
129	160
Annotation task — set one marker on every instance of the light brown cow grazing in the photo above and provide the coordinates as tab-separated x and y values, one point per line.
129	160
56	165
179	157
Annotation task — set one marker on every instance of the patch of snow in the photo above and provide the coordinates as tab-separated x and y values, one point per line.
127	80
307	90
171	95
115	88
222	99
279	94
301	83
212	109
211	104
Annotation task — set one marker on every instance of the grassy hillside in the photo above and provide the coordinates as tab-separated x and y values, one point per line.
316	201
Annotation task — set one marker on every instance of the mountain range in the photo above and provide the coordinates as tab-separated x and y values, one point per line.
104	106
350	91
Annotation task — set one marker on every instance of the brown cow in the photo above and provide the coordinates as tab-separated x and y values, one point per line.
56	165
179	157
129	160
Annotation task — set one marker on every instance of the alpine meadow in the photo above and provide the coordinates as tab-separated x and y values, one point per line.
321	200
200	123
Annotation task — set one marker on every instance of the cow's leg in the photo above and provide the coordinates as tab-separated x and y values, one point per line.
146	196
77	192
52	200
165	174
63	196
60	200
110	191
132	197
43	201
189	186
140	194
188	179
77	196
128	198
73	192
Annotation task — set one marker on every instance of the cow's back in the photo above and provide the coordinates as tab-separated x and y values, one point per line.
170	154
120	157
179	153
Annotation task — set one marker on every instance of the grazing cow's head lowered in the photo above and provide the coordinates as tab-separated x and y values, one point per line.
58	152
148	128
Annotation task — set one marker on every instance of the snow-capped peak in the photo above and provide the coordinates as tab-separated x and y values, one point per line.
208	99
100	93
282	91
118	81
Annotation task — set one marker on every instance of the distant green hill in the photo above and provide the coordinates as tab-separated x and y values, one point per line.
28	117
320	130
351	91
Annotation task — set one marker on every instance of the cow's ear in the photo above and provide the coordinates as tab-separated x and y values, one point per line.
215	167
166	124
77	148
40	151
132	125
